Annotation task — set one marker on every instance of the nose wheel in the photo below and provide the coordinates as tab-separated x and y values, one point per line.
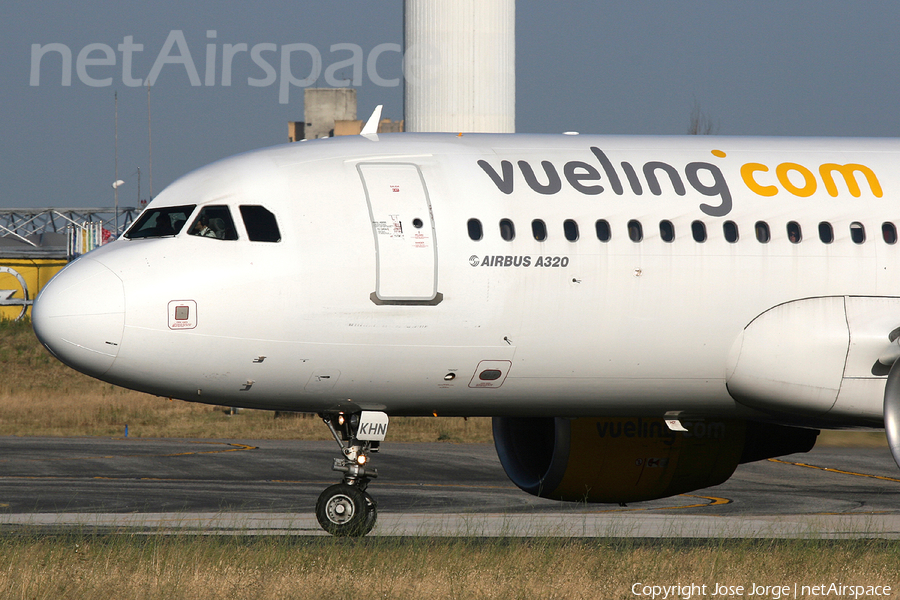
346	509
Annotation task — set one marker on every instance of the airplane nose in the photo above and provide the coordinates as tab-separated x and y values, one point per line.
80	316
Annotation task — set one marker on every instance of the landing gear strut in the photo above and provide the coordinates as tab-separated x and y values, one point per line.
346	509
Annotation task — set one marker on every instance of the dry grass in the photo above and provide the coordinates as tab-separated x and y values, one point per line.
39	396
195	567
852	439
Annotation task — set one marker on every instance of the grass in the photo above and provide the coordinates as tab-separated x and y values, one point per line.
195	567
39	396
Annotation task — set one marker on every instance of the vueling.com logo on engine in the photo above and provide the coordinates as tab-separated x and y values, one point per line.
655	428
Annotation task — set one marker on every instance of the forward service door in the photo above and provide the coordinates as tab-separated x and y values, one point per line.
403	226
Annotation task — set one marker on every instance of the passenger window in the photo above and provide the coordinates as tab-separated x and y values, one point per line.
793	232
666	231
826	232
539	230
698	230
762	232
475	230
570	228
160	222
857	232
635	231
260	223
730	229
214	222
507	230
889	232
604	233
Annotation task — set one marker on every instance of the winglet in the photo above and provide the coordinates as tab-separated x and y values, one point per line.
372	124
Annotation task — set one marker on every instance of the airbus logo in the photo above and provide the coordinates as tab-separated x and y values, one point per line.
505	260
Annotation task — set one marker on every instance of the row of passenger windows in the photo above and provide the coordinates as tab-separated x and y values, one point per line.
730	231
213	222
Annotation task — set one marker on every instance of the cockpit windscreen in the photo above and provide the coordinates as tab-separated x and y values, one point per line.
160	222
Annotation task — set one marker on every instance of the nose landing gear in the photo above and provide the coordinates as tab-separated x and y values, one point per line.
346	509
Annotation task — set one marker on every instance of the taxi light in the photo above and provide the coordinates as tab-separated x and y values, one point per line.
362	459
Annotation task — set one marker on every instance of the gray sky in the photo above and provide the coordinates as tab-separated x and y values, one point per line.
754	67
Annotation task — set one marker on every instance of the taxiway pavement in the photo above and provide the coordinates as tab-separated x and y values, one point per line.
271	486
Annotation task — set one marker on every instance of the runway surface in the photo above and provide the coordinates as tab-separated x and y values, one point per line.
271	486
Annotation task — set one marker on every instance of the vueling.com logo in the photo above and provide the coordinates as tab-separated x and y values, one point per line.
704	177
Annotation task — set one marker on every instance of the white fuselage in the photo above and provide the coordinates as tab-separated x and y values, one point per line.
357	307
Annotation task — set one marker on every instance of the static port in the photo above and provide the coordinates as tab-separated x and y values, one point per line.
449	376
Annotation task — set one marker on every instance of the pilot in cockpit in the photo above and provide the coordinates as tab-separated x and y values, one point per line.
202	228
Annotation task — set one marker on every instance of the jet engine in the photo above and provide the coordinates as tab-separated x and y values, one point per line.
619	460
891	411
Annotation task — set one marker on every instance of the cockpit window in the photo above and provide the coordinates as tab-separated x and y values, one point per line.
260	223
214	222
160	222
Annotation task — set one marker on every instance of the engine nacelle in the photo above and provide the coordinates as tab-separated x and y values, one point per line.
619	460
892	411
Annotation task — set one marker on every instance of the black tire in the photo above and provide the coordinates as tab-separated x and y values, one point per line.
344	510
371	513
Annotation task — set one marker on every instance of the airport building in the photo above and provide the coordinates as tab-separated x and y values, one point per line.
328	112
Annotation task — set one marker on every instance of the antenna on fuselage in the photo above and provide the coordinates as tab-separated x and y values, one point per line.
371	126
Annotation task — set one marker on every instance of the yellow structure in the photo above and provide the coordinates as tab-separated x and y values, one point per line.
20	281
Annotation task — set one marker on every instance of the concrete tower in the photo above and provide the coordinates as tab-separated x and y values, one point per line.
460	71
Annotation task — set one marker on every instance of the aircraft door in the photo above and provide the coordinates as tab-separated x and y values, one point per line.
403	226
